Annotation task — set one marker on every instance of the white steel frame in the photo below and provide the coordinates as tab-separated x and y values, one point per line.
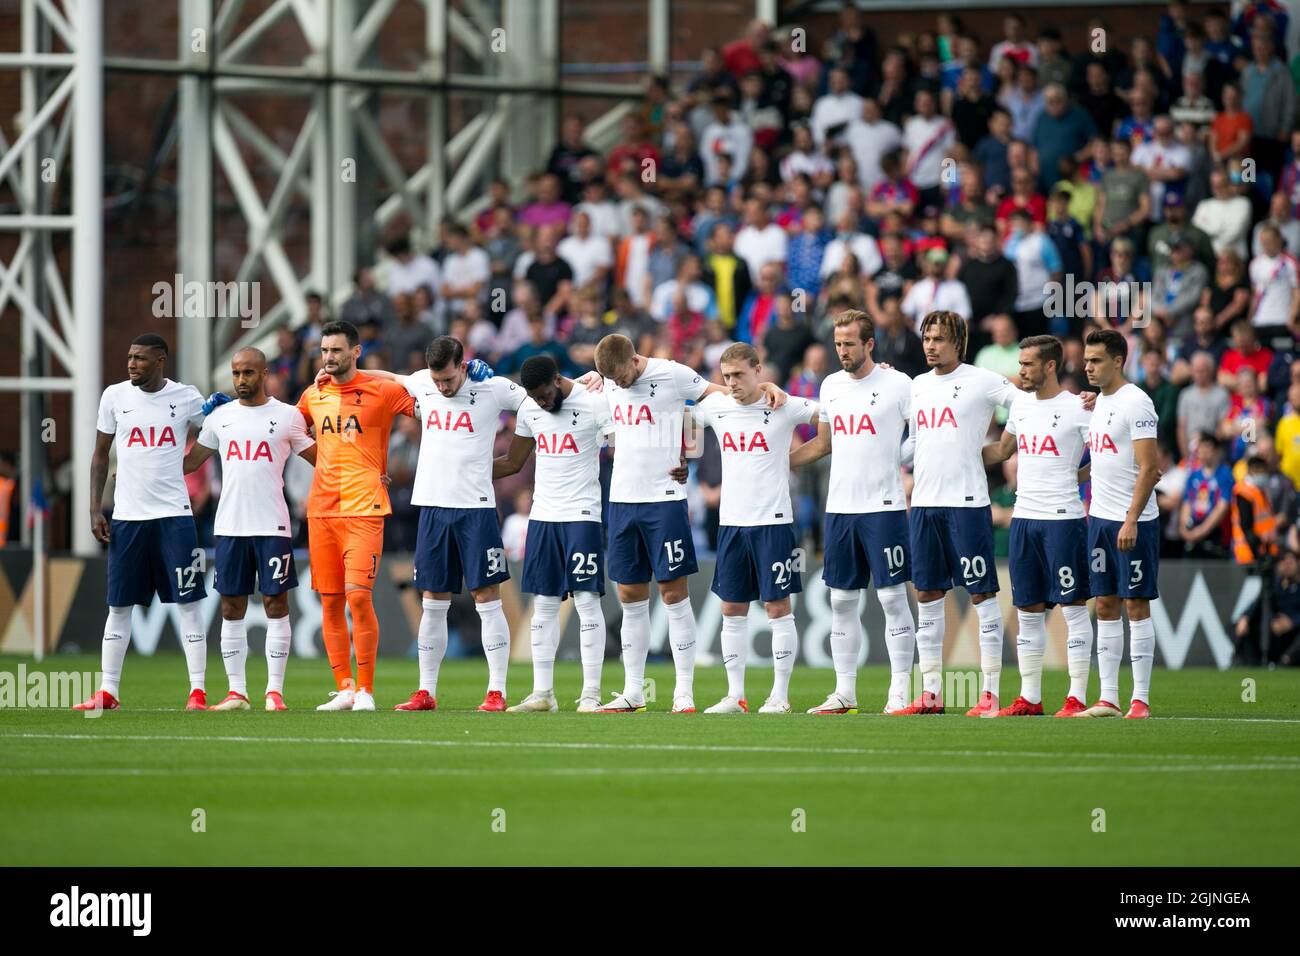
512	135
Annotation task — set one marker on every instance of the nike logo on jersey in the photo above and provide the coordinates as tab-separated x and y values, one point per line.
587	578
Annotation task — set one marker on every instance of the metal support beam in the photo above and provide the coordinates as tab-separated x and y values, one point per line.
87	258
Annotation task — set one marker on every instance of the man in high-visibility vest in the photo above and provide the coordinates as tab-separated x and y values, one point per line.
1254	526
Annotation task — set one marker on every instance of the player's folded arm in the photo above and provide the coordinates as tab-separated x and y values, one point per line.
514	458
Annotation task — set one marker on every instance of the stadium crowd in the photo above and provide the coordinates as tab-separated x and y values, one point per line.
1032	182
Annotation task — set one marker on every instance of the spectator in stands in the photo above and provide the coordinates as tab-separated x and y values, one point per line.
1161	238
759	307
1067	234
934	291
1164	396
567	155
1268	95
1025	102
1284	619
927	138
407	335
632	264
588	255
970	107
894	192
806	251
1204	519
896	342
1193	106
365	304
991	153
760	241
550	275
1124	202
1061	129
695	294
1280	218
409	268
786	339
1229	294
1202	406
726	274
1178	288
1224	216
1204	337
1275	288
466	270
1248	416
1165	162
1037	263
1246	351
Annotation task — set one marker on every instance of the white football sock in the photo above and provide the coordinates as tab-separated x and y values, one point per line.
1110	651
990	618
545	640
117	638
194	639
929	644
735	653
635	633
785	645
496	642
900	638
681	636
431	642
278	635
591	639
1078	648
1142	654
1030	646
234	654
846	641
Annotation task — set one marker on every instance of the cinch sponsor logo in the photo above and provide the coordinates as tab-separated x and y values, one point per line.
102	909
1146	423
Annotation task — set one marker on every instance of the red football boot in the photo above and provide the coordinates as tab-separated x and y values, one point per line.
198	700
99	700
1071	707
1021	708
493	703
927	703
275	700
1138	710
987	707
421	700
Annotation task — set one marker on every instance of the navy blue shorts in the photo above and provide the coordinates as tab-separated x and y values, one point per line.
155	556
452	544
761	563
862	547
256	563
953	544
1049	561
561	557
1127	574
650	539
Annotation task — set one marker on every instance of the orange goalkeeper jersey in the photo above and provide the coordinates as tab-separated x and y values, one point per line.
352	424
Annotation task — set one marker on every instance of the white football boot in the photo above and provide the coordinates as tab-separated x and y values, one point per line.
536	703
836	703
774	705
339	700
363	700
729	705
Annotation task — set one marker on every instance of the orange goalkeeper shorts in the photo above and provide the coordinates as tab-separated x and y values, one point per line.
343	551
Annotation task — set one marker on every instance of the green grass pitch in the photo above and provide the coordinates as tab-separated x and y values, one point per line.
1211	781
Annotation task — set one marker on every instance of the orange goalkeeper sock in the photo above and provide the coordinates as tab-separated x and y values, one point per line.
334	629
365	636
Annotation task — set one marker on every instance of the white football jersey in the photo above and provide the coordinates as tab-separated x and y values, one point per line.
867	417
566	485
755	443
1117	421
1050	440
254	443
950	419
150	430
457	438
646	421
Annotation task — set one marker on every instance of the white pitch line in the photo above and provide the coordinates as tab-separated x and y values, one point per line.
591	745
216	774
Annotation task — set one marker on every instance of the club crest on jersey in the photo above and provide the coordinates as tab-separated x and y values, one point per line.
767	416
473	397
742	442
248	453
1056	418
446	423
173	408
1099	442
859	425
358	398
271	430
154	438
874	396
555	444
630	415
653	386
955	390
937	418
1032	446
337	425
575	418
